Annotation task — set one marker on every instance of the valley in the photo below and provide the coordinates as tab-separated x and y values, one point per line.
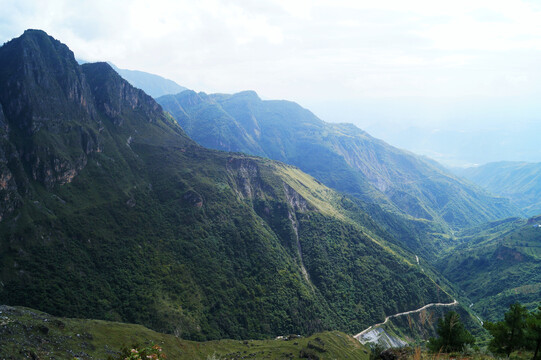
213	223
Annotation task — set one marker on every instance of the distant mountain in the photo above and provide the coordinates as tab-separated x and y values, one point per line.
108	210
153	85
518	181
497	264
339	155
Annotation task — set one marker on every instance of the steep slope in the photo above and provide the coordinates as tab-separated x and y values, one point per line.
112	212
340	155
518	181
497	264
152	84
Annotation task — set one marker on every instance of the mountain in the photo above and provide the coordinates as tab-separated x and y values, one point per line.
496	265
153	85
518	181
339	155
110	211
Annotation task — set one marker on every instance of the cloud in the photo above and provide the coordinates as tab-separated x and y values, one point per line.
301	49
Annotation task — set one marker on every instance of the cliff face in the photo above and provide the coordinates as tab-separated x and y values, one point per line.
9	197
114	96
49	105
47	115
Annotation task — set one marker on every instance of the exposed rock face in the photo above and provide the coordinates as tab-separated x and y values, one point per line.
9	198
43	85
295	200
114	96
45	99
53	113
246	176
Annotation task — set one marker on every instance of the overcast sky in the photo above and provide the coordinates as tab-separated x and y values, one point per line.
322	54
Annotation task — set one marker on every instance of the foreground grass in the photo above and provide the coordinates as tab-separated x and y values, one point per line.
409	353
31	334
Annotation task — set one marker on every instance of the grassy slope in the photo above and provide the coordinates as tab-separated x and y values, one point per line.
25	332
340	155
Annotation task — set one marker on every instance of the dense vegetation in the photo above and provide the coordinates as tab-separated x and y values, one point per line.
112	212
452	335
339	155
497	264
518	330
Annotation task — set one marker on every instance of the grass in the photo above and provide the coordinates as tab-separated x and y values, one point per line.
26	333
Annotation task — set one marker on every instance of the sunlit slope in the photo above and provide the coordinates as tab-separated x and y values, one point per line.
339	155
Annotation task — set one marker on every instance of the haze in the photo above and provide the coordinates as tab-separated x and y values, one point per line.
457	81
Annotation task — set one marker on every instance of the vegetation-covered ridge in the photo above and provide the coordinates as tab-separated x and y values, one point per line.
110	211
339	155
497	264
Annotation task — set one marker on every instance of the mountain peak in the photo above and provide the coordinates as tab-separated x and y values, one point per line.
46	79
33	40
248	94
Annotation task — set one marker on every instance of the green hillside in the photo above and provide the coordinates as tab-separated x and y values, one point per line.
518	181
341	156
496	265
110	211
32	334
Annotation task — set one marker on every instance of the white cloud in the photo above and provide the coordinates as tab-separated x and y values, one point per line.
303	49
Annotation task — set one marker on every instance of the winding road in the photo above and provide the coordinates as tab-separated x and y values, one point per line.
403	313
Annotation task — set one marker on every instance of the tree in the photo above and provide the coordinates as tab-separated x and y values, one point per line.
534	331
509	334
452	334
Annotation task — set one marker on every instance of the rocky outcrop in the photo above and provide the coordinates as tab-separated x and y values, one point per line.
42	85
45	99
295	200
245	176
114	96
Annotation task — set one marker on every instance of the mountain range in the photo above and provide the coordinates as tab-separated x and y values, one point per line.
518	181
342	157
227	216
110	211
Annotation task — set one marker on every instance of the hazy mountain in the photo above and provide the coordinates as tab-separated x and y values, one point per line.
110	211
518	181
153	85
455	131
339	155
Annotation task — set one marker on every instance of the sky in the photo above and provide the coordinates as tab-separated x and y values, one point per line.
391	67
